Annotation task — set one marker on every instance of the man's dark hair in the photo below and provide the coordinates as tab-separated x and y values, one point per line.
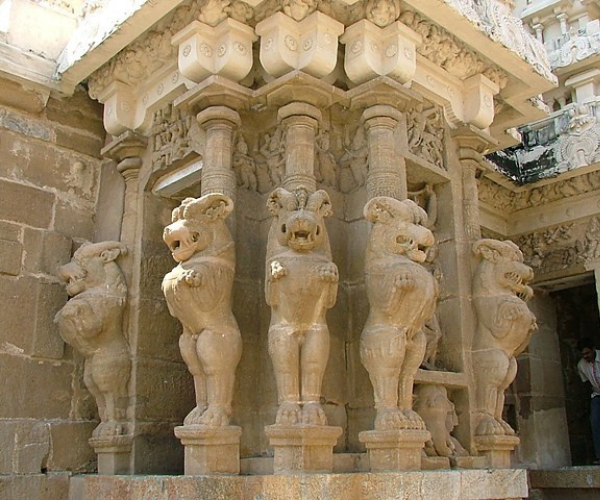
585	342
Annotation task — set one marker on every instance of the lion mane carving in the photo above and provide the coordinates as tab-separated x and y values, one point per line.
301	284
91	322
504	327
198	293
402	294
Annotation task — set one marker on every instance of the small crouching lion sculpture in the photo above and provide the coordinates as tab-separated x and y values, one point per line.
91	322
504	327
402	296
198	293
301	284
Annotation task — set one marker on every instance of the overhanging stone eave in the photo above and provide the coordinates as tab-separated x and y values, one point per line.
74	64
463	29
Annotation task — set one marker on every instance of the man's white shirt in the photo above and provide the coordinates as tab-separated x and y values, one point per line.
590	372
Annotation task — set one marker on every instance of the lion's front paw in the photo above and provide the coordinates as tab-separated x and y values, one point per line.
489	426
288	414
313	414
215	416
388	419
413	420
329	272
191	277
404	280
277	270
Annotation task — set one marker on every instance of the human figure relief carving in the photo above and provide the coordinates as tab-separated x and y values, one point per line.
91	322
356	160
426	134
402	295
198	293
504	327
301	284
438	413
326	165
244	165
273	150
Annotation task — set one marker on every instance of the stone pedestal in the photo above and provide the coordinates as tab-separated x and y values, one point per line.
114	454
394	450
434	463
496	449
302	448
210	450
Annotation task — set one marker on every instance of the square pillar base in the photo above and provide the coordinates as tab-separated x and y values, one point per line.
210	450
302	448
496	449
394	450
114	454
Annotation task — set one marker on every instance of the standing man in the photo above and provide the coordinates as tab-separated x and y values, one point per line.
589	371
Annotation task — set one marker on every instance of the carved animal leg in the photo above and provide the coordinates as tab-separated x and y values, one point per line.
415	351
220	353
490	368
382	352
284	350
110	372
313	361
187	347
88	380
510	376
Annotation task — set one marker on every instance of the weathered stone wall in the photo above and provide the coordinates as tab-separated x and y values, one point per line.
49	178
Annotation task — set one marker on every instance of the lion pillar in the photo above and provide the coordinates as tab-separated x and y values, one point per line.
300	286
198	294
387	169
92	323
300	121
402	295
504	327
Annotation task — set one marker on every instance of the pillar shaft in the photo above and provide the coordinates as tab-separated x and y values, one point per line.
471	200
300	121
219	122
387	169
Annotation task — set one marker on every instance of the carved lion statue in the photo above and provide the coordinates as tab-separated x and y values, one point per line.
91	322
402	294
198	293
301	284
438	413
504	327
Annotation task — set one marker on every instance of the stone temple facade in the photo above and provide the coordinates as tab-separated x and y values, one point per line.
298	248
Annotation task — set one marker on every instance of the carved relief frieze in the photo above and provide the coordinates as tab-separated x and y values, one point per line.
272	153
175	134
495	195
561	248
496	20
326	164
354	162
578	45
244	165
426	134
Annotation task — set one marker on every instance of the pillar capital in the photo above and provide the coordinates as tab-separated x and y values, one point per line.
127	145
214	116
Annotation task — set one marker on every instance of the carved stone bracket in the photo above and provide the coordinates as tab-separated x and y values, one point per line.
224	50
310	45
372	51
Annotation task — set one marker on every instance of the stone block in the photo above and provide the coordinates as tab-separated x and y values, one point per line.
302	448
249	250
25	204
11	253
394	450
78	111
358	235
156	263
33	388
156	449
70	449
114	454
158	331
82	143
25	446
35	486
75	221
45	251
210	450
